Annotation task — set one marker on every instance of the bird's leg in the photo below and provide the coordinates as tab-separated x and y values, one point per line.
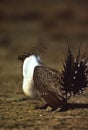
65	107
53	109
42	107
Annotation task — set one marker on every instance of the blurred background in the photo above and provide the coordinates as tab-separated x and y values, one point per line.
53	22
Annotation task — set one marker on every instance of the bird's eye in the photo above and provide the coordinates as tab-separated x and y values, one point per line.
21	58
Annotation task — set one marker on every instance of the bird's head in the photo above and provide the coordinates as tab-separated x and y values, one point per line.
36	51
23	56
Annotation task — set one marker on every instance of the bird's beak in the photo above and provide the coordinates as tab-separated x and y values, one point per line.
20	58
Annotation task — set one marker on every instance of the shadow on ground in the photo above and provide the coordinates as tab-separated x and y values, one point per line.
73	106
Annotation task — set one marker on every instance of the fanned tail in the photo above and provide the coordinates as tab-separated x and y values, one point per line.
74	76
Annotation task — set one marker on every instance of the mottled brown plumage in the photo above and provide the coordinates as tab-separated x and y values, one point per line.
46	81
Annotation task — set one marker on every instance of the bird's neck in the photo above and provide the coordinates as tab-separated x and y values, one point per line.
28	69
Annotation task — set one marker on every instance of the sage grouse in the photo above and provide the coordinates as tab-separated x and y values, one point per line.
53	86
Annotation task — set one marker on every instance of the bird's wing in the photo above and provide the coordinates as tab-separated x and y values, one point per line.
46	81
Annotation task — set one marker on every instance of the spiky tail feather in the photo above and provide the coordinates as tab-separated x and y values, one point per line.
74	76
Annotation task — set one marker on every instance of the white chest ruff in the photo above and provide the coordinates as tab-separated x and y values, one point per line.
29	90
28	84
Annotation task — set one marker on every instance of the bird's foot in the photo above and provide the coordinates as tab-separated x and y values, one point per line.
42	107
64	108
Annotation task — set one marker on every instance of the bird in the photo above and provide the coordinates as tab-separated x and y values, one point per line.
54	86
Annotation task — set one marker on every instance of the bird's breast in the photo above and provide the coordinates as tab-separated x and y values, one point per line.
29	90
